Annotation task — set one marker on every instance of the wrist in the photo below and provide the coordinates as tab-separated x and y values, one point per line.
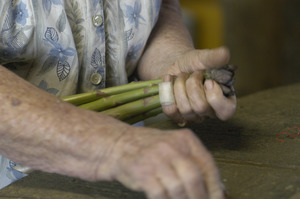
126	146
107	161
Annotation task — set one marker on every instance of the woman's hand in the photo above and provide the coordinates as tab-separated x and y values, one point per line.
196	99
166	165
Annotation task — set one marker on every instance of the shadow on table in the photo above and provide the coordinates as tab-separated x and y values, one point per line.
45	185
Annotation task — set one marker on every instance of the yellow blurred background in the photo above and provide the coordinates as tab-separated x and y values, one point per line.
262	35
205	20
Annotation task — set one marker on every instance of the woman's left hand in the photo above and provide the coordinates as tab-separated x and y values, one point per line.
196	98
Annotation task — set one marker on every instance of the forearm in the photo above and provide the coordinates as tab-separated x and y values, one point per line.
45	133
169	39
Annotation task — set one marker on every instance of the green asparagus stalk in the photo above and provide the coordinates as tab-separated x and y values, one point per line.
144	116
83	98
115	100
132	109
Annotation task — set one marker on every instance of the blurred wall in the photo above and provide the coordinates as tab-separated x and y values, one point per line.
205	19
263	36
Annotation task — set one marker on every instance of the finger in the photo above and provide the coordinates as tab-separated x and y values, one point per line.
196	94
182	100
170	109
212	180
172	112
196	60
191	176
224	107
154	189
208	168
171	181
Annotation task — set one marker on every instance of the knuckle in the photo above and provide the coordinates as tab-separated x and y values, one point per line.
153	190
165	151
185	110
191	83
201	107
227	112
194	81
177	190
200	55
190	117
170	110
195	178
181	99
185	134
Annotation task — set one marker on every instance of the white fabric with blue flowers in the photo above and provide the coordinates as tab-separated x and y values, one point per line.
61	46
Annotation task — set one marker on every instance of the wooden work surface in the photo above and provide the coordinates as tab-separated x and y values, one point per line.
253	163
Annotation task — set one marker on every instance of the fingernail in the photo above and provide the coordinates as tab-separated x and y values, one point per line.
209	84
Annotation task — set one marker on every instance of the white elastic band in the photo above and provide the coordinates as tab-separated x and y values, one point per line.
166	95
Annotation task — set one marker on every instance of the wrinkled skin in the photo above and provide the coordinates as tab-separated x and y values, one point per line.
170	55
196	100
163	164
169	165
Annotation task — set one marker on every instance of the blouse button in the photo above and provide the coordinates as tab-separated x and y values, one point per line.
97	20
96	78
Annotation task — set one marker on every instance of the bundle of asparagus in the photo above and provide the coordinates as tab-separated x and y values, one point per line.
131	102
137	101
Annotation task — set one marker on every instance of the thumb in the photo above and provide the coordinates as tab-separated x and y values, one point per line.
196	60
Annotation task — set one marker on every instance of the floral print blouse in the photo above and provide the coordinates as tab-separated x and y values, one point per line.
72	46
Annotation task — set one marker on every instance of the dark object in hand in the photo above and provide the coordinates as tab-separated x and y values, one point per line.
224	76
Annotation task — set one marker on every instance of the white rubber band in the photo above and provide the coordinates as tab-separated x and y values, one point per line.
166	95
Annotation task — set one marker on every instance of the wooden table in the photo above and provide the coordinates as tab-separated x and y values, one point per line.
253	163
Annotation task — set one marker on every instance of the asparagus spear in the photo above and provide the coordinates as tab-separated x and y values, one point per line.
131	109
144	116
115	100
83	98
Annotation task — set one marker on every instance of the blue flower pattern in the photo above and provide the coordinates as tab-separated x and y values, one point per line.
58	54
42	35
134	52
133	13
96	2
47	4
12	37
58	51
44	86
20	13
